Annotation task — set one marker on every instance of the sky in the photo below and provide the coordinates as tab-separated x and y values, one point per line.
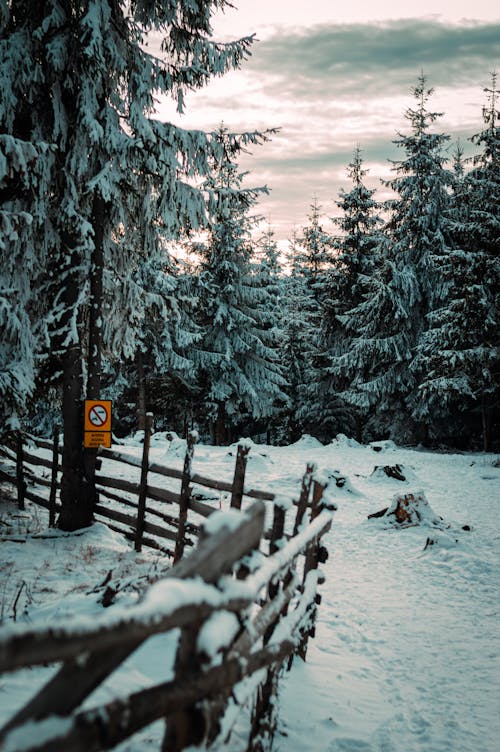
332	76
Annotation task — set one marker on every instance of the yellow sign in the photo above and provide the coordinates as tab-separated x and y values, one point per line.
94	439
97	424
97	415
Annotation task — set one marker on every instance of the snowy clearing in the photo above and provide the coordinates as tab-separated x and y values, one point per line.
406	654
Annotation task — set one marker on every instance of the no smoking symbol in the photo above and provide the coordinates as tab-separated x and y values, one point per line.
98	415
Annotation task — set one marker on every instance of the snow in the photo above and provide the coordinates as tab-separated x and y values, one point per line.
227	520
217	633
406	652
37	731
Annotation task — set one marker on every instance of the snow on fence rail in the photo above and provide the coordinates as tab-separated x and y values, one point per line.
274	594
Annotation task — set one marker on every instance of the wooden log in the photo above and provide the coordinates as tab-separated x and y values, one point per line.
185	494
34	459
153	492
143	483
188	726
39	500
239	476
42	443
53	478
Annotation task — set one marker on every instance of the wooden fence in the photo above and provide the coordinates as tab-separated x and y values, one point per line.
268	581
124	505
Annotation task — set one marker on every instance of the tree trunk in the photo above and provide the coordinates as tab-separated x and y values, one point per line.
76	499
141	393
78	493
486	425
220	426
94	356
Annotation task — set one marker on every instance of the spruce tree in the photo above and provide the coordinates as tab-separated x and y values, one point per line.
459	353
294	344
104	184
315	259
483	185
386	327
238	360
357	250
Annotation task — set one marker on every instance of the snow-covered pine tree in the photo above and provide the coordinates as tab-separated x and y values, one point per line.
104	182
238	360
386	327
420	234
294	342
269	277
460	351
316	260
483	183
357	251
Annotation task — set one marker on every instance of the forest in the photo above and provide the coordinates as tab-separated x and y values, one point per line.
135	266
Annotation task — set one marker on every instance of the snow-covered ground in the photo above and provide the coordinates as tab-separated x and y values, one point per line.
406	654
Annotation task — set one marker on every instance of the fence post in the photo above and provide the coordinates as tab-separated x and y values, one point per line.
188	726
304	496
311	561
143	483
20	482
185	494
53	478
239	476
264	718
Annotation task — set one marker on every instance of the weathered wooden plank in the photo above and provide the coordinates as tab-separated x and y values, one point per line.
304	496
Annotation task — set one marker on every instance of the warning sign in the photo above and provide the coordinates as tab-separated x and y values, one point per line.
97	424
94	439
97	415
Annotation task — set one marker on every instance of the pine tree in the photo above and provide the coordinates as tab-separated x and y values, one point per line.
238	359
460	351
295	339
315	259
483	184
386	327
356	258
105	183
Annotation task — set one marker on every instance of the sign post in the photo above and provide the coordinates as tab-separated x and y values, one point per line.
97	425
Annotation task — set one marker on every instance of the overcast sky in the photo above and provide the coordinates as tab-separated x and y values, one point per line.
332	75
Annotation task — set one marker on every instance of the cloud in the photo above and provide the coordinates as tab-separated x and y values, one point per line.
367	59
332	87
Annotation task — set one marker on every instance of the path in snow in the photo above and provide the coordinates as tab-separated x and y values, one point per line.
406	651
